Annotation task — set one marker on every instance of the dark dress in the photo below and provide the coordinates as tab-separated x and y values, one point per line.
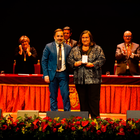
88	80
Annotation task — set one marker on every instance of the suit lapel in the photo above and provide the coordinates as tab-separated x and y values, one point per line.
54	47
134	47
65	50
54	50
124	45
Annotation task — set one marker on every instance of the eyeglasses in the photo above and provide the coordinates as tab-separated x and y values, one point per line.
127	36
85	37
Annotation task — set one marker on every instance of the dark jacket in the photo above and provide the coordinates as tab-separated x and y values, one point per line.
123	60
28	65
73	43
82	74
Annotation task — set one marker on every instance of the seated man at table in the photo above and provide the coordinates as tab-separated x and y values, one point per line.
25	56
127	56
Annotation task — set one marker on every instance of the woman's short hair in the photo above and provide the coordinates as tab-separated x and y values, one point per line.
92	43
24	38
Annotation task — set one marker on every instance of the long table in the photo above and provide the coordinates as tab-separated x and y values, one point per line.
30	92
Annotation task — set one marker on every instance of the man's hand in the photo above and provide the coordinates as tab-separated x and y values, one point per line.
47	79
123	51
132	55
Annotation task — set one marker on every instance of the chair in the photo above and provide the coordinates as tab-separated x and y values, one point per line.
37	68
115	67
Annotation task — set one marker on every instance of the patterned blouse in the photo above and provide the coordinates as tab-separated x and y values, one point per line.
82	74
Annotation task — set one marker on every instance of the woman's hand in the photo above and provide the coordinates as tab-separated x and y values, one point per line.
20	50
78	63
28	51
89	65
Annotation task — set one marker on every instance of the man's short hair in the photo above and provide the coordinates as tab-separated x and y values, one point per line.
67	28
57	30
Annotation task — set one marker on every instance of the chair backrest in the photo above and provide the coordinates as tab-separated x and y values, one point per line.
139	66
37	68
115	68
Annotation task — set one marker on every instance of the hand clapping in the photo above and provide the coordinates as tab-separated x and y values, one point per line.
20	50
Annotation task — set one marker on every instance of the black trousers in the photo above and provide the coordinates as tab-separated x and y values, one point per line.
89	97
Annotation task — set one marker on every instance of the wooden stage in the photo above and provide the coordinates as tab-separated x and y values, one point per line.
102	115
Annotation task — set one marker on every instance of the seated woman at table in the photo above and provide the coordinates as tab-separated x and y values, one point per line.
87	59
25	56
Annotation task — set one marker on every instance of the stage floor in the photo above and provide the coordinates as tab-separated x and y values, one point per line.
102	115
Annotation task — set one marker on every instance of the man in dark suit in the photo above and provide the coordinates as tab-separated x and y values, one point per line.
67	34
54	65
127	56
67	39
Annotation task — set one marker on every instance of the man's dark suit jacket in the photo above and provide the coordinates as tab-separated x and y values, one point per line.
49	59
123	60
73	43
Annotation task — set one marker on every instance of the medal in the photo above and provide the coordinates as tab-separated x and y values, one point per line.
24	56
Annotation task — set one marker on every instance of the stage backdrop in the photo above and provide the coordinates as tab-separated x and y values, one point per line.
107	21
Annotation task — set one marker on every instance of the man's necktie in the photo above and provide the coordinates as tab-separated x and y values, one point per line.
59	65
128	50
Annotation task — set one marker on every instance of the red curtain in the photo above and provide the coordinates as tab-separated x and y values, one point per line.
16	97
113	98
119	98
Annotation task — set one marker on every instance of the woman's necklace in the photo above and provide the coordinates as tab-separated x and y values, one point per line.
85	48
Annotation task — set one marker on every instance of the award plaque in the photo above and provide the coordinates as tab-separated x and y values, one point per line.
84	59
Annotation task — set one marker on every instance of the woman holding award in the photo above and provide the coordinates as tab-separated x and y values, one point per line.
87	59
